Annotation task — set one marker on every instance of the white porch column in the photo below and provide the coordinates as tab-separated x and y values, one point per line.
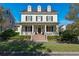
45	28
32	29
20	29
56	28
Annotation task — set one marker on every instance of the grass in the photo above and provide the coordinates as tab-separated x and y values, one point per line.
62	47
22	45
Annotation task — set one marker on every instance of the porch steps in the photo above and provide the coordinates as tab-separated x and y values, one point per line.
39	38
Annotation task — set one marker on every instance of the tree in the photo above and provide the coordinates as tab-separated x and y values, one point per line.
73	15
70	26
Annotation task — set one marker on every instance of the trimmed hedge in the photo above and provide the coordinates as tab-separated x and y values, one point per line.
53	37
21	37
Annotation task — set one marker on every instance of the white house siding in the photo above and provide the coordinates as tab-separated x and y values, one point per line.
23	18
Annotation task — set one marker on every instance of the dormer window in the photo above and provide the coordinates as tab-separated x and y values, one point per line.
29	8
49	8
39	8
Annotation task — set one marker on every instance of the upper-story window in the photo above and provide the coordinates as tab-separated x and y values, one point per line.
28	18
38	18
49	18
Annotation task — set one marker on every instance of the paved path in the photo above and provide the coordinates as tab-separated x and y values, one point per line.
64	54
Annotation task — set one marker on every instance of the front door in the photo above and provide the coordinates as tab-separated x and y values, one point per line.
39	30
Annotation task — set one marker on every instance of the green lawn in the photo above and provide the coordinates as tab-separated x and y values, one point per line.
62	47
51	45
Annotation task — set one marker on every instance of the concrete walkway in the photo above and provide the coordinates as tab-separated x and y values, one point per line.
63	53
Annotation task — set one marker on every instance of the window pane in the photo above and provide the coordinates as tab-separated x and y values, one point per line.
38	18
48	18
49	28
29	18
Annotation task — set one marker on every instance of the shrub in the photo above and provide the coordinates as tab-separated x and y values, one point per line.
52	37
68	35
21	37
21	45
7	34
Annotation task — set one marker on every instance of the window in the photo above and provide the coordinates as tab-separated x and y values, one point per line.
49	28
39	8
49	8
29	8
49	18
38	18
28	18
28	28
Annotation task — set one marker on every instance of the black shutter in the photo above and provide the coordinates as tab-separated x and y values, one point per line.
41	18
26	18
36	18
46	18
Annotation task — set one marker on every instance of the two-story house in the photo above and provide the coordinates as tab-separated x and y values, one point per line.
42	22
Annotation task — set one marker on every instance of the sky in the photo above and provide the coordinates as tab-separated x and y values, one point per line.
61	8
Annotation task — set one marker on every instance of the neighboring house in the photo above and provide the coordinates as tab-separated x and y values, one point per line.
62	28
40	21
9	20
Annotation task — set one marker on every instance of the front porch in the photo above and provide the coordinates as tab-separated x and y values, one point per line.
44	29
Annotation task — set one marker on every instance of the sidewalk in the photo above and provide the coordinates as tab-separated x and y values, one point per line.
64	54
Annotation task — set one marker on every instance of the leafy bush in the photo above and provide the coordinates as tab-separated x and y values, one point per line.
69	35
7	34
21	45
